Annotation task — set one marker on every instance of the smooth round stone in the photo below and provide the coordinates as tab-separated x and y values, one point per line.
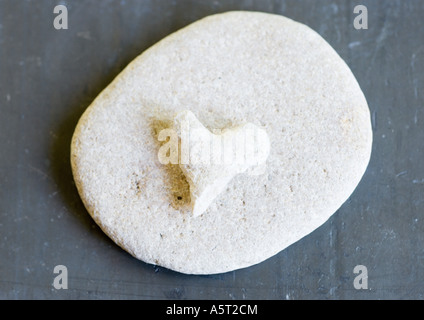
228	69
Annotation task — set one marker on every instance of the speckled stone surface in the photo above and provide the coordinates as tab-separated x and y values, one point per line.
226	68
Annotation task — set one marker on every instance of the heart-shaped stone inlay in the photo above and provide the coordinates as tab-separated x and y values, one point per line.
210	160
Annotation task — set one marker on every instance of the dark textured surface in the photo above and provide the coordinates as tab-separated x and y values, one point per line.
48	78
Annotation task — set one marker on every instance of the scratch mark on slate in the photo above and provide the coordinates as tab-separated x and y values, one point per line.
400	174
374	120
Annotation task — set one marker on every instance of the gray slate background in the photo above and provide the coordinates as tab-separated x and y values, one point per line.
49	77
